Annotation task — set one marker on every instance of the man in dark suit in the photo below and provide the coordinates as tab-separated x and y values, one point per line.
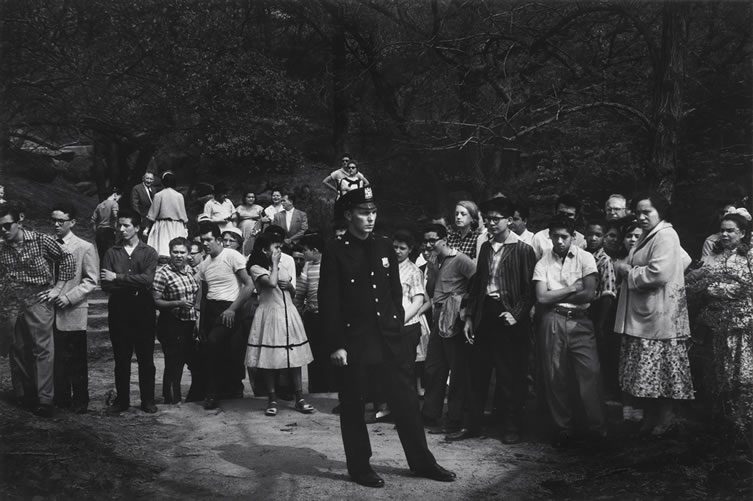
360	303
294	221
142	195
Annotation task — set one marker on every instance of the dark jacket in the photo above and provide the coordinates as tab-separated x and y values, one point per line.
516	270
360	297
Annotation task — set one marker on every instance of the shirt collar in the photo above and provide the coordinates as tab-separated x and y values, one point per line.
67	239
570	253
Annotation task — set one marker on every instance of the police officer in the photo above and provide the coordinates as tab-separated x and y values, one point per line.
362	315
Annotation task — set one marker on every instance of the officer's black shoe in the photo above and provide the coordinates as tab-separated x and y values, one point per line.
210	403
437	473
367	478
117	407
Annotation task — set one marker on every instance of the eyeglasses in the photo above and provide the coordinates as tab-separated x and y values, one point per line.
7	226
431	241
493	219
59	221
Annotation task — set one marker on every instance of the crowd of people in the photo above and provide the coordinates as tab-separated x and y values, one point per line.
570	317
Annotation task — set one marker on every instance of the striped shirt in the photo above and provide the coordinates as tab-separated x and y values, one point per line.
307	288
177	285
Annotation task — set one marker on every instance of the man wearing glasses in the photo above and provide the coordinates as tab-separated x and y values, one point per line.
496	323
30	263
615	207
71	314
447	352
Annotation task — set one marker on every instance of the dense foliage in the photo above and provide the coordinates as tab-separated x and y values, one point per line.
447	96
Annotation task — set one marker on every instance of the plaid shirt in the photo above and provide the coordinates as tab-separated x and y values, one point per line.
35	262
466	245
607	280
177	285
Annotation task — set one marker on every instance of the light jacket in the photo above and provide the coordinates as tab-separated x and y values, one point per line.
74	316
652	303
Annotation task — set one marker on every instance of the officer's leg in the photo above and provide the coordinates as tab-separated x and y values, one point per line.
352	424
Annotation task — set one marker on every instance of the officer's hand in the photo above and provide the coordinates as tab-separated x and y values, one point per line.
228	318
339	358
508	318
468	330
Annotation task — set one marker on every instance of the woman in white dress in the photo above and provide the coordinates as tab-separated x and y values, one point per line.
277	339
167	217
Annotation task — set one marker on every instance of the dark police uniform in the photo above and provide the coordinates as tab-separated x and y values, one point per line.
360	303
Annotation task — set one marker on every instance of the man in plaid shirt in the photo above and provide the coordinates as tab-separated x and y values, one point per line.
30	263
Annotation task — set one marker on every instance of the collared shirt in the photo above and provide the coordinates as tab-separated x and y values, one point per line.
526	237
557	273
466	244
134	272
453	274
607	285
412	282
34	262
216	210
105	214
495	257
542	243
288	218
306	290
271	210
177	285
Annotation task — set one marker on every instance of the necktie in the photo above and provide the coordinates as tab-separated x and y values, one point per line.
60	241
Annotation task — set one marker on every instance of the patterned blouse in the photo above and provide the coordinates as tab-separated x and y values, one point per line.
466	244
174	285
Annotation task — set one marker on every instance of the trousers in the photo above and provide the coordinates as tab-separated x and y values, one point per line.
570	344
505	348
131	322
71	369
445	356
176	338
398	377
32	353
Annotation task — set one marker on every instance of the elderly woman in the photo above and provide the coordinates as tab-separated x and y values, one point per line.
464	235
725	284
652	314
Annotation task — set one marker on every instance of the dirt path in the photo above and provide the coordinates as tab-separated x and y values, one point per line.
184	452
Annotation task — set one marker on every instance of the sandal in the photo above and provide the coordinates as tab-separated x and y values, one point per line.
302	406
271	408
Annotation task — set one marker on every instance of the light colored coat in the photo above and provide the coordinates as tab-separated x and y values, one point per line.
74	316
652	303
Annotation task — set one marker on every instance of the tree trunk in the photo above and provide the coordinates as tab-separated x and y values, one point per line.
668	98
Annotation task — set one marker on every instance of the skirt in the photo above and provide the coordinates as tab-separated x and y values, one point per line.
162	232
655	368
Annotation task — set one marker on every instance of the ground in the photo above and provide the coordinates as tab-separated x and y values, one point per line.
185	452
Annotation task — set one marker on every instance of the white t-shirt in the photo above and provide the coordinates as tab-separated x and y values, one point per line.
558	274
219	274
287	263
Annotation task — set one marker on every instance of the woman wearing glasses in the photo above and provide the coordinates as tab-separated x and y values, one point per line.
346	178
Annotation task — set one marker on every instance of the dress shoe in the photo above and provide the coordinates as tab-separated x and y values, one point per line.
368	478
462	434
510	437
437	473
44	410
148	407
210	403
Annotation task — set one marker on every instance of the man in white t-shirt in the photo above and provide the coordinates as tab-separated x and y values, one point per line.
227	285
567	206
565	280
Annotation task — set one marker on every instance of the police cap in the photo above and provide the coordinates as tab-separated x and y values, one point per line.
361	197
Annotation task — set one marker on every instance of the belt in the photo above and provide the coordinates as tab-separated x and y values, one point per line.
129	293
170	219
571	312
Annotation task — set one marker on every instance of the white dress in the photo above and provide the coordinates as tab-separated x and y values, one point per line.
277	339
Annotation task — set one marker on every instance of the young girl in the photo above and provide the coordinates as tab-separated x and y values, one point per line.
277	339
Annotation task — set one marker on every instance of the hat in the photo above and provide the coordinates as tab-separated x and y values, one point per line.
361	196
203	218
233	229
